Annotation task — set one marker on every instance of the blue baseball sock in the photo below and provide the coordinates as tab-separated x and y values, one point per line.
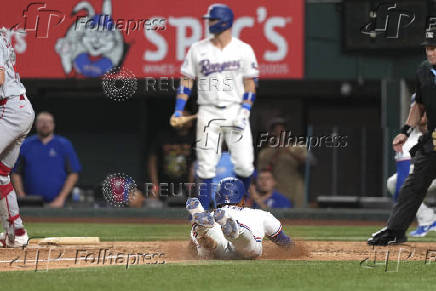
205	192
403	169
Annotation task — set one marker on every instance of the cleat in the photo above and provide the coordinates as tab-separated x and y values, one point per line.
433	226
385	237
18	241
230	229
229	226
420	231
204	219
220	216
193	205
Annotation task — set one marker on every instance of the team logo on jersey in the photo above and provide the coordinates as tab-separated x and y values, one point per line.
208	68
93	45
52	153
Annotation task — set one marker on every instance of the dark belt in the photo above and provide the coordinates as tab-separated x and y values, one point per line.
220	107
5	100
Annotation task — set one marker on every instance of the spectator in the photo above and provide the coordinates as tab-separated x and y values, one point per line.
264	194
171	161
47	166
285	161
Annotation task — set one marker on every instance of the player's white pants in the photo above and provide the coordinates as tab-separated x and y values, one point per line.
391	183
16	119
246	245
215	125
222	250
425	215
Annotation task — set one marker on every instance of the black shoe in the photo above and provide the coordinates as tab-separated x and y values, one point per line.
385	237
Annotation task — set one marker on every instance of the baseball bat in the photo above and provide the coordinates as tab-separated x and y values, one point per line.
182	120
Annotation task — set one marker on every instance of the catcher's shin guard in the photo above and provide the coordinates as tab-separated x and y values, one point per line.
9	210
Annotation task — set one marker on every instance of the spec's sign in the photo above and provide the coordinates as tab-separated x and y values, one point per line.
58	39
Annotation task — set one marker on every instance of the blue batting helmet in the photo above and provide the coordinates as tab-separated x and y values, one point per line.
222	13
230	191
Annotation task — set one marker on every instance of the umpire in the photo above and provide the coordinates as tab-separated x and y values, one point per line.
414	189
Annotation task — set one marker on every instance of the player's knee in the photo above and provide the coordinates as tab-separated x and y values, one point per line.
391	183
244	171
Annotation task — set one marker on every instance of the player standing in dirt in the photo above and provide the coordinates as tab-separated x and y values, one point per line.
225	69
16	118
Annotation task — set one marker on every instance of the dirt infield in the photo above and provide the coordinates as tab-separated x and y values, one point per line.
131	254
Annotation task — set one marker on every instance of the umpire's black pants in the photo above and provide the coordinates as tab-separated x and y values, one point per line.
413	191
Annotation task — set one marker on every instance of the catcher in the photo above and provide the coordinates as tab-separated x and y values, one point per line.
232	231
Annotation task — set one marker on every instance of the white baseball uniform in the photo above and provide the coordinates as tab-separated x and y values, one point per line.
220	74
253	224
16	118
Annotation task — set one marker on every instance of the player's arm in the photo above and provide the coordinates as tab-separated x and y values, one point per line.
250	73
183	93
282	240
249	92
273	230
188	71
2	65
2	76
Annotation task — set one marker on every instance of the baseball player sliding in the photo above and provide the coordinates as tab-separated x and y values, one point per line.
225	69
16	118
232	231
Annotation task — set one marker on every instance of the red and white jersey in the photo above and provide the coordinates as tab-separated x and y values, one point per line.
220	72
261	223
12	85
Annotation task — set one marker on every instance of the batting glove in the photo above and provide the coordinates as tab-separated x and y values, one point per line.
242	119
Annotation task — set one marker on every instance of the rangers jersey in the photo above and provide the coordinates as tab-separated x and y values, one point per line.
12	85
220	72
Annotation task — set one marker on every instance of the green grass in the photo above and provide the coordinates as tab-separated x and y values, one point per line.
153	232
229	275
111	232
220	275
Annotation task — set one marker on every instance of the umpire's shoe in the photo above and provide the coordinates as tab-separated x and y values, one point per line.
385	237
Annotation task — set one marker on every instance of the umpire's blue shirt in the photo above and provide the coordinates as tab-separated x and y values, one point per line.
44	167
